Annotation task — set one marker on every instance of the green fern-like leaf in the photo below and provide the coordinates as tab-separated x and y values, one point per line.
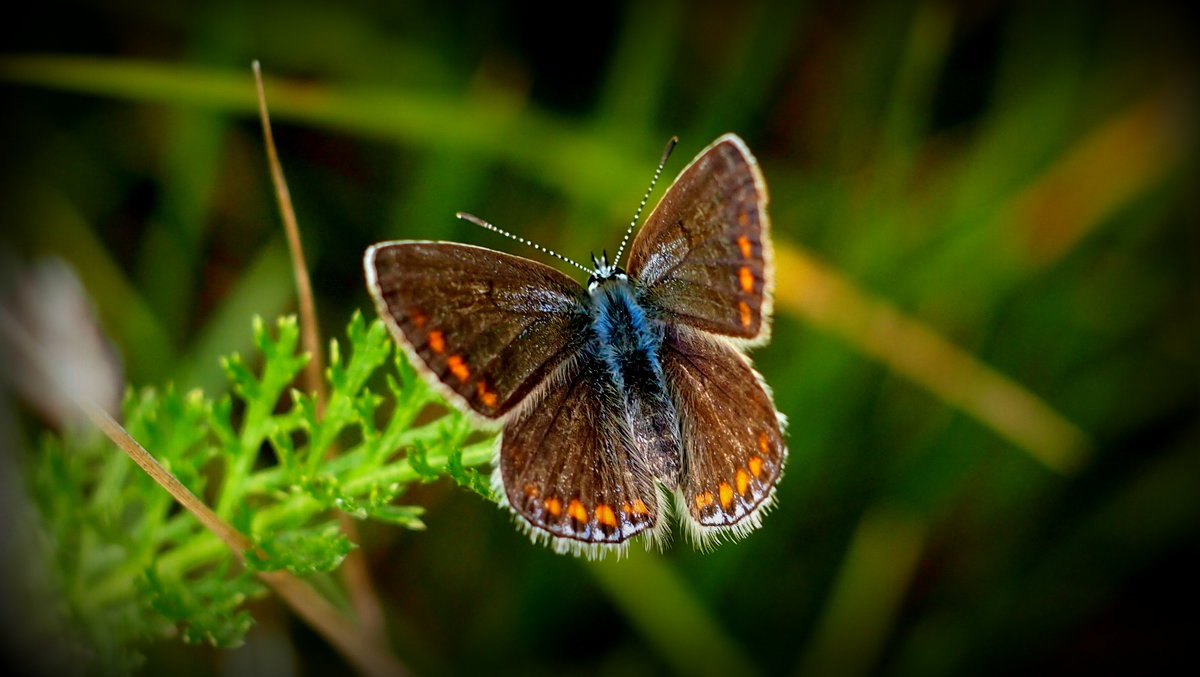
132	568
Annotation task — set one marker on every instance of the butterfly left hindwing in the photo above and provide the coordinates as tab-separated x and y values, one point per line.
567	465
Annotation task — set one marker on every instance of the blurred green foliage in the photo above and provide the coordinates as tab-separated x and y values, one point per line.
987	223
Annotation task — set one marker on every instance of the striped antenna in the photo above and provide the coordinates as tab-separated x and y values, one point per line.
484	224
632	224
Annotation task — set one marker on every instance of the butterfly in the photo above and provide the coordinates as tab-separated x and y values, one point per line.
624	400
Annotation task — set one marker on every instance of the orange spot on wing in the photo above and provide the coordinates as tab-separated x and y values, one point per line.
458	367
639	507
554	506
486	396
744	246
746	278
436	342
726	495
418	318
743	219
705	499
531	491
745	311
756	464
764	442
743	481
605	515
575	509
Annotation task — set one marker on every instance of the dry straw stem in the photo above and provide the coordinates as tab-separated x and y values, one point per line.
235	540
308	310
354	570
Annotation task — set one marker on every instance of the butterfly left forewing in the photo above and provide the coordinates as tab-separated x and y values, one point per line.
487	328
703	257
733	439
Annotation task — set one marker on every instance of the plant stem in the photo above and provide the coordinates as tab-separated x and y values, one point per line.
354	568
308	308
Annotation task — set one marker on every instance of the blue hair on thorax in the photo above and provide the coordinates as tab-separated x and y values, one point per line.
628	339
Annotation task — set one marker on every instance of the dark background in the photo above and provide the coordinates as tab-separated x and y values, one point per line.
1014	181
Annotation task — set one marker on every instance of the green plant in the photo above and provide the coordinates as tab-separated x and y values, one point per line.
131	567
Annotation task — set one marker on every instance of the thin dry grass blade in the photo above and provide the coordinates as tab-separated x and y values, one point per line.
357	577
308	310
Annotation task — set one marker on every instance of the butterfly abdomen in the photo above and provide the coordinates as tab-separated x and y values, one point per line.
628	342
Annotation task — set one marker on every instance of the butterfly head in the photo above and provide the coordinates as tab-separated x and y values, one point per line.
603	271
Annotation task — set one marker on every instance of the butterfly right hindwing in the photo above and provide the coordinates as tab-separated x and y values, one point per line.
733	441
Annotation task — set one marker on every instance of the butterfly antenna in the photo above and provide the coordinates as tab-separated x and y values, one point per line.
484	224
632	224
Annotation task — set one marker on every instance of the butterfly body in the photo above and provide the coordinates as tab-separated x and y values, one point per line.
627	340
622	400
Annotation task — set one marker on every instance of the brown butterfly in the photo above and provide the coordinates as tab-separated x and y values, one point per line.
616	396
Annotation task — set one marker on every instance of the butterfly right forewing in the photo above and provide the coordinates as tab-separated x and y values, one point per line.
703	257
